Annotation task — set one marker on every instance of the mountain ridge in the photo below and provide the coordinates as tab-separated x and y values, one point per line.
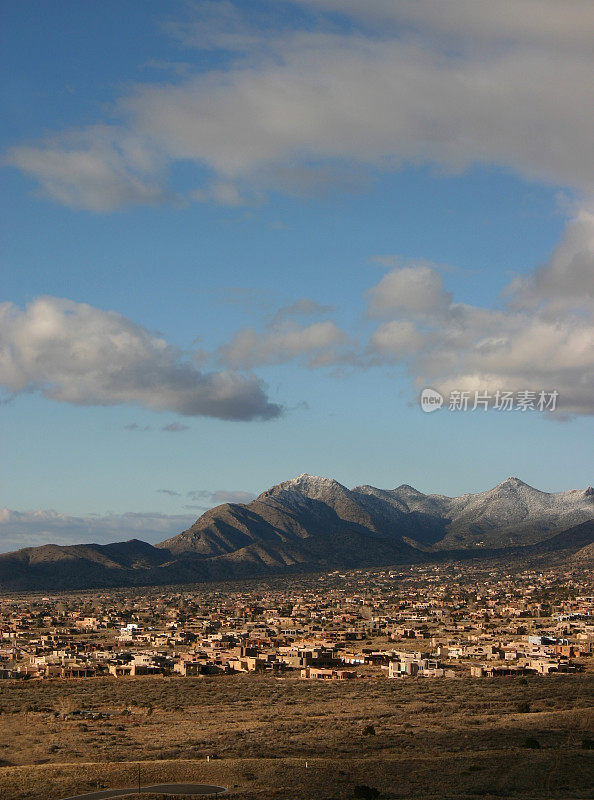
313	523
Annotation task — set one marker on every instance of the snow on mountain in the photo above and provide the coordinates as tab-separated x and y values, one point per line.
511	513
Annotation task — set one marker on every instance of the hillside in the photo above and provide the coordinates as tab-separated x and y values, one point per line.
293	512
312	523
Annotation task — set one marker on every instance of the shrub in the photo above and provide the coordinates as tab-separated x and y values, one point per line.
531	743
363	792
523	707
369	730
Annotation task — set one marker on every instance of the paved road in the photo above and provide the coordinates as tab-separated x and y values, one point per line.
159	788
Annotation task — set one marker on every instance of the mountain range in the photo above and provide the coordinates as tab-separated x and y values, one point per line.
312	523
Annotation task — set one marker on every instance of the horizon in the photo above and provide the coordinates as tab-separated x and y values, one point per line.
244	237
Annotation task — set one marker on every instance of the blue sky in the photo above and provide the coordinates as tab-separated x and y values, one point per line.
238	239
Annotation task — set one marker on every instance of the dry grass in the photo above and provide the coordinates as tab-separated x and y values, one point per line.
434	738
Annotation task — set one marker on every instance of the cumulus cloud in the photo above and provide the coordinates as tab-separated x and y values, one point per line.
316	344
567	281
33	528
285	337
542	339
538	336
494	83
396	340
416	288
72	352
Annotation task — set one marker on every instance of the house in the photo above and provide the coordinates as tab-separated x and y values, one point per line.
322	674
77	671
132	669
420	664
489	671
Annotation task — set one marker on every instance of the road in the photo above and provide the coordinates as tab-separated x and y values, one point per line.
191	789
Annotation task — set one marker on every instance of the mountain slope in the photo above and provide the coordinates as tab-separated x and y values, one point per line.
308	506
77	566
312	523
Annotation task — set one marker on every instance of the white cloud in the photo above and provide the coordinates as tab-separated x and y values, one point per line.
415	288
72	352
526	352
32	528
99	169
317	344
567	281
396	340
540	337
497	83
380	102
549	22
543	339
284	337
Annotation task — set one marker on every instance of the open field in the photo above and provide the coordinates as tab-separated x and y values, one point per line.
433	738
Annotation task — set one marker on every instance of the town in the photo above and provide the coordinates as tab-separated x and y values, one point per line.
437	621
441	680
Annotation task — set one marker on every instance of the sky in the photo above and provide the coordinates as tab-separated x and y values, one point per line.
240	238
